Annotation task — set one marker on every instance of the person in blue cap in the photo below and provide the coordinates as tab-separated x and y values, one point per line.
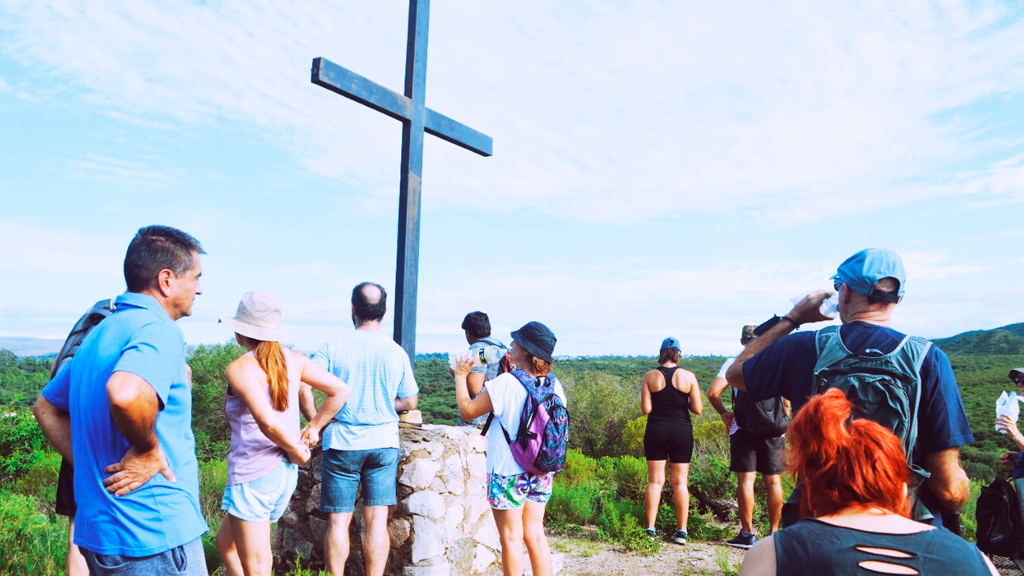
667	396
870	284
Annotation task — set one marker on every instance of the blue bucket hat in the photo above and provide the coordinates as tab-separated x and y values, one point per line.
537	339
862	270
670	342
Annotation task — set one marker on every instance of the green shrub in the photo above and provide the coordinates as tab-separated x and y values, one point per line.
618	518
632	440
630	476
979	471
639	541
574	503
31	542
213	477
209	424
578	468
22	445
702	527
600	404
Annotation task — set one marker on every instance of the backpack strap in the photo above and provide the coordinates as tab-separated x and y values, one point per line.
490	342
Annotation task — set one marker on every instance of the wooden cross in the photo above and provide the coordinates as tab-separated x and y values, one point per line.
416	118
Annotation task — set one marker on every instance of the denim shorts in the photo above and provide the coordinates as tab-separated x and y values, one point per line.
185	560
510	492
344	470
263	499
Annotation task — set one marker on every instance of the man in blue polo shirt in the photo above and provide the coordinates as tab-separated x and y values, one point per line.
870	285
124	407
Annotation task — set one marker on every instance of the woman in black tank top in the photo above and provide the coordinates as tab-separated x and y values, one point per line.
855	486
668	395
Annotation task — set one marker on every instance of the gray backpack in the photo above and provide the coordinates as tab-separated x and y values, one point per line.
885	387
87	322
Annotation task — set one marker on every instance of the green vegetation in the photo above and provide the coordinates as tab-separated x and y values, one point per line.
599	492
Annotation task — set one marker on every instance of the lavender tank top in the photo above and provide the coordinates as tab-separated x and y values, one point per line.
252	455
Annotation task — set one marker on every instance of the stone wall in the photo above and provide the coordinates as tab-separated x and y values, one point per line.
441	526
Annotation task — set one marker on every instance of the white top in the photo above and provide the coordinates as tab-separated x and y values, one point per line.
721	374
507	398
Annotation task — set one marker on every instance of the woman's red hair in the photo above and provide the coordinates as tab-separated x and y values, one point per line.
845	463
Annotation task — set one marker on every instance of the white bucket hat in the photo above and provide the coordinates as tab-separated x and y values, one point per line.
258	317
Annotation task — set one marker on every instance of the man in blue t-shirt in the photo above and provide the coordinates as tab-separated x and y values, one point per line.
122	410
870	285
361	443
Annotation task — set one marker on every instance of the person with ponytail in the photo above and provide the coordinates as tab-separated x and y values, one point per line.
855	499
266	443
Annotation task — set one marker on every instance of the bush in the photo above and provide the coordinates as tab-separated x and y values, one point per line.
709	471
574	503
600	404
578	468
630	475
213	436
22	445
213	477
632	440
31	542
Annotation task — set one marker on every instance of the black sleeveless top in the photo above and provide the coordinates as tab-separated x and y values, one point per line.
669	404
812	547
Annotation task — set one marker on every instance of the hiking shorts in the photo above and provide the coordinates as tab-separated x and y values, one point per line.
65	501
263	499
668	441
511	492
749	454
344	470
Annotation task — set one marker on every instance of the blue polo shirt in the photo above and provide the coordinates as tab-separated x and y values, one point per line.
139	338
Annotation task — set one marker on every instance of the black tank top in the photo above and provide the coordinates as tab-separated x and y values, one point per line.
811	547
669	404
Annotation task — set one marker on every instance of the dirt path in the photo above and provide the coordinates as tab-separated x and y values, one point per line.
592	558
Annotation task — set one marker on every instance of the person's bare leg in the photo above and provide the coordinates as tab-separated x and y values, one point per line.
225	543
652	498
75	562
336	544
252	541
377	542
679	476
535	538
773	485
745	499
510	531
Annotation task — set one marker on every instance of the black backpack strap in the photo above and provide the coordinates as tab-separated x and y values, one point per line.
487	425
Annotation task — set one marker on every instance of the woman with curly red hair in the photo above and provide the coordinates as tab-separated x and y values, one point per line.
855	478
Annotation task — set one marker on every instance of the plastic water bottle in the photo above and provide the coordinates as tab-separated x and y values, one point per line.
481	356
829	307
1007	405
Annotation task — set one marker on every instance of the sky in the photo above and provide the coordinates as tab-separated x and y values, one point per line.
660	168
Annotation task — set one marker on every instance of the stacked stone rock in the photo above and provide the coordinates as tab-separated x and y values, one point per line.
442	524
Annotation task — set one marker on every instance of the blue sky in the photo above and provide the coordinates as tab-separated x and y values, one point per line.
659	168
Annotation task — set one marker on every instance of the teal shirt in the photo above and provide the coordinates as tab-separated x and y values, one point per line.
378	371
140	338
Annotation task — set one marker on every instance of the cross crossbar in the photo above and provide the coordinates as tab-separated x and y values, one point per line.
367	92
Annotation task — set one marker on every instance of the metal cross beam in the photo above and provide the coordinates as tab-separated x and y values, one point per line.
416	118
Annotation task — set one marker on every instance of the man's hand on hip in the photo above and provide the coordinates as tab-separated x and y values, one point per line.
135	469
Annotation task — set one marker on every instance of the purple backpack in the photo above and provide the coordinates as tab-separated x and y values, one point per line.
543	435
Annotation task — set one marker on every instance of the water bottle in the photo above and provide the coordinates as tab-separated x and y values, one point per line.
481	356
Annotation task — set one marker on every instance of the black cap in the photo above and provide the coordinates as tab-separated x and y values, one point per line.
537	339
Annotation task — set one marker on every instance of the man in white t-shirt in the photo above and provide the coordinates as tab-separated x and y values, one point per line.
749	455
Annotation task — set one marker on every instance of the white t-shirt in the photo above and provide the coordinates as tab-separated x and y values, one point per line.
507	398
721	374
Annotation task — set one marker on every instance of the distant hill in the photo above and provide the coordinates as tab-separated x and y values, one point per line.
22	346
1000	341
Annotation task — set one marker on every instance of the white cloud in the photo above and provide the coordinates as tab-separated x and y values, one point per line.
603	114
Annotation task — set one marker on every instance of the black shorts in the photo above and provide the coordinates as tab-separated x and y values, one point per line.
668	441
747	454
65	504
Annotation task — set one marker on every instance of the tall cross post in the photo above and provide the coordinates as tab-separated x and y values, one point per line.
416	119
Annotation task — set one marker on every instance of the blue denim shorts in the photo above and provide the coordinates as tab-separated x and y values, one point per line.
344	470
263	499
185	560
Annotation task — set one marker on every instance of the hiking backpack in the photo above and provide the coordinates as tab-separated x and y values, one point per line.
505	364
761	419
884	388
543	436
1000	526
87	322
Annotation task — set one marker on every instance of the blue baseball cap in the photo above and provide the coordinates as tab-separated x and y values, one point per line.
862	270
670	342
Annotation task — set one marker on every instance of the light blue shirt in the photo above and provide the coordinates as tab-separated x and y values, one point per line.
139	338
378	371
